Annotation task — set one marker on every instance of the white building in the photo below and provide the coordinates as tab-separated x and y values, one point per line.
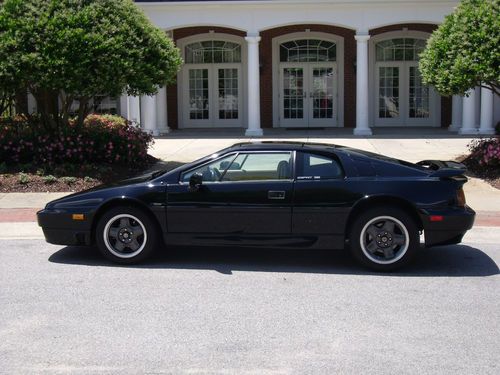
295	63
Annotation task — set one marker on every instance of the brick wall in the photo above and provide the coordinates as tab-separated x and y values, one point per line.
266	81
266	75
172	100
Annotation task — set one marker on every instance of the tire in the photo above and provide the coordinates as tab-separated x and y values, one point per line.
384	238
126	235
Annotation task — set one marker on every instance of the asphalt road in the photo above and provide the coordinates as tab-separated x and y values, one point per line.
208	311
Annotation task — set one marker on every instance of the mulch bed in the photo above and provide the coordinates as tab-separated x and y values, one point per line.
32	181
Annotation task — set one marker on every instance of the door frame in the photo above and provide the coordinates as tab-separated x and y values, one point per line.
185	123
307	120
339	41
434	105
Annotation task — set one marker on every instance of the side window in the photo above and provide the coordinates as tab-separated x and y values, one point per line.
211	171
317	167
259	166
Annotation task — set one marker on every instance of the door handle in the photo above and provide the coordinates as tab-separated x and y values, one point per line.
275	194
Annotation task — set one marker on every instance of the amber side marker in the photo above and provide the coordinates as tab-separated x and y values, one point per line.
78	217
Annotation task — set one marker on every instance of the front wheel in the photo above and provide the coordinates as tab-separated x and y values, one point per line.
384	239
126	235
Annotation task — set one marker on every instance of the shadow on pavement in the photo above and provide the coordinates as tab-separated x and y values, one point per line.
455	261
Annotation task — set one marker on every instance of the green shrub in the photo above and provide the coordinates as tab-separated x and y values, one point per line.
101	139
49	179
68	180
3	168
23	178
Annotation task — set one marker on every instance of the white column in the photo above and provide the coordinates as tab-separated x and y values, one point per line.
148	114
486	123
254	129
469	113
161	111
32	107
124	106
456	114
134	109
362	122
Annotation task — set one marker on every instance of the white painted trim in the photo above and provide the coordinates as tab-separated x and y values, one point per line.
338	40
435	106
181	43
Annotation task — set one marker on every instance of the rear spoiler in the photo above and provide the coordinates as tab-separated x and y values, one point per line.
445	169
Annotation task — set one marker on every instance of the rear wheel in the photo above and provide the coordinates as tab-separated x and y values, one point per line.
126	235
384	238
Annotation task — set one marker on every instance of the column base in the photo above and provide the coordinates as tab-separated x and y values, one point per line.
362	131
486	131
254	133
454	128
467	131
164	131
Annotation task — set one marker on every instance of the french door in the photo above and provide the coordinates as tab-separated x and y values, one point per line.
401	97
308	94
212	96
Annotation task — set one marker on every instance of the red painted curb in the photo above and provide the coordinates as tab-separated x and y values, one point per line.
20	215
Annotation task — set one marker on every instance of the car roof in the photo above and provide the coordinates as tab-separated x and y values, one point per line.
282	145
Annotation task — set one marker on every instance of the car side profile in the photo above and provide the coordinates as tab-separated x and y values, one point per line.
273	194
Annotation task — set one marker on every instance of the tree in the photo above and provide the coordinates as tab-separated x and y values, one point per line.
464	51
74	51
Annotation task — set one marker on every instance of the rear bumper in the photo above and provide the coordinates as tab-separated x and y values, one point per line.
59	228
456	222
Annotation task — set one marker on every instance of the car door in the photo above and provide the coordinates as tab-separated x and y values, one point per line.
322	199
242	193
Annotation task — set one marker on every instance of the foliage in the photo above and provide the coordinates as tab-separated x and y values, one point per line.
76	51
49	179
485	152
464	52
100	139
24	178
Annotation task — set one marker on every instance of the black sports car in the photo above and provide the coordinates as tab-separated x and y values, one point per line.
273	194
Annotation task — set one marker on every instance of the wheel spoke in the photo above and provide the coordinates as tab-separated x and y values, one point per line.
372	247
398	239
388	253
113	232
124	222
138	231
372	231
119	246
134	245
388	226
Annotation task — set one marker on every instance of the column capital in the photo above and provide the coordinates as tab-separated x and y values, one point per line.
252	39
362	37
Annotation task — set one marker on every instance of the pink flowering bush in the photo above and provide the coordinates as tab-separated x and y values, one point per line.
485	152
101	139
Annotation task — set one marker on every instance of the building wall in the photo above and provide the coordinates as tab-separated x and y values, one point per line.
266	71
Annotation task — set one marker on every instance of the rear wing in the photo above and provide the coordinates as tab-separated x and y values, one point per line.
445	169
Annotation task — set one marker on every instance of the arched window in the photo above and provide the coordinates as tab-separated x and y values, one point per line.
400	49
308	50
213	52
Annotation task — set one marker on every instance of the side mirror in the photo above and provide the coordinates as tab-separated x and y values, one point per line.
195	181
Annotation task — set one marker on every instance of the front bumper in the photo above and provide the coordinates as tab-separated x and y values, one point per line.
456	222
60	229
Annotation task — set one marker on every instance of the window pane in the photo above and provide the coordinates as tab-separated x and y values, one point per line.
260	166
213	51
307	50
312	166
211	172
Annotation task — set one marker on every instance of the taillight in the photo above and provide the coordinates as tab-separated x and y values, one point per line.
461	197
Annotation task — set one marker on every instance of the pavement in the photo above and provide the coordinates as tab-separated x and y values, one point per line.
185	146
66	310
